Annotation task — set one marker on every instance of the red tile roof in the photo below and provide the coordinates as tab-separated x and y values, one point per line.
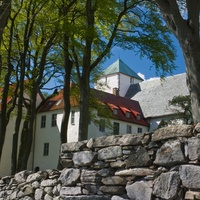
122	105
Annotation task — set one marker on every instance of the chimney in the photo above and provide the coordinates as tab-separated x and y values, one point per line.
116	91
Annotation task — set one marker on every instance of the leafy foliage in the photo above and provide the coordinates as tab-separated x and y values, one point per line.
181	107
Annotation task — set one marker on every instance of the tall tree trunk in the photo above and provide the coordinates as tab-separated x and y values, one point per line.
187	33
30	132
84	107
84	78
23	141
66	94
191	49
66	91
18	122
33	98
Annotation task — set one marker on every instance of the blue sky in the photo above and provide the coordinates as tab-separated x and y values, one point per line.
139	65
143	65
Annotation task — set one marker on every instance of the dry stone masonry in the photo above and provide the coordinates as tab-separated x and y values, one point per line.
163	165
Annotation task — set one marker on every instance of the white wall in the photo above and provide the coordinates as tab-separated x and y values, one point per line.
72	128
120	81
49	135
5	163
124	84
108	82
94	132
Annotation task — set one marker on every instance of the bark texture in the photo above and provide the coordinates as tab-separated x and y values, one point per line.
186	31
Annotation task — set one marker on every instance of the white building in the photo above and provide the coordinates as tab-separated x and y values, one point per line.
153	94
125	116
5	164
117	78
130	100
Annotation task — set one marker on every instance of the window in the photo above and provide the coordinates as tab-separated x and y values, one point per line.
131	80
139	130
43	121
139	117
46	149
128	114
102	125
73	117
53	120
115	128
128	129
115	111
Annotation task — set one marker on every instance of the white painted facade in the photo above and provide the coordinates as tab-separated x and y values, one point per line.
51	135
117	80
5	163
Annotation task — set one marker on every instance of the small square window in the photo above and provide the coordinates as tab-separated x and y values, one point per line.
128	114
115	128
139	130
128	129
131	80
102	125
54	120
43	121
115	111
46	149
139	117
73	117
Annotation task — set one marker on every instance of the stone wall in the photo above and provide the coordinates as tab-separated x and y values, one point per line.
149	166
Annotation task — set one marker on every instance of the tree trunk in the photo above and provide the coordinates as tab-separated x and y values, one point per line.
187	33
84	78
18	122
84	107
30	131
191	49
23	140
66	94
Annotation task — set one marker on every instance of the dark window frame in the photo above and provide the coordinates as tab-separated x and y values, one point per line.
102	125
116	127
139	130
54	120
43	121
128	129
72	117
46	149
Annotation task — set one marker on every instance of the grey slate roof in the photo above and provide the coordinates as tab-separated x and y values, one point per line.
154	95
120	67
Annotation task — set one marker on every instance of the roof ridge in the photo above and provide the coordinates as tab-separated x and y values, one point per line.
120	67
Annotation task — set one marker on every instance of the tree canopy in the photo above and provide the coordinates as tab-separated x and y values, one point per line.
75	36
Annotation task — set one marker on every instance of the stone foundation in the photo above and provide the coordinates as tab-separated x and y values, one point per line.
149	166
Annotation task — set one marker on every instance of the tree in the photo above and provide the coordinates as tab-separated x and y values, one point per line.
5	8
29	58
182	17
128	24
38	54
181	107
